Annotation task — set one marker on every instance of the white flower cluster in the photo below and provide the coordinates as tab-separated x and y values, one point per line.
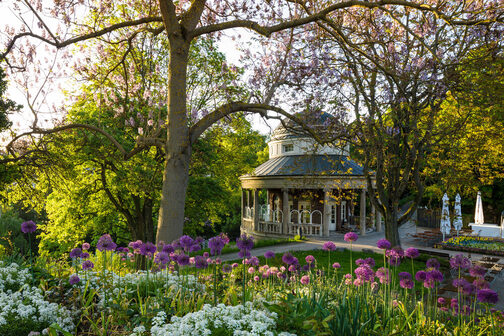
29	303
238	320
12	276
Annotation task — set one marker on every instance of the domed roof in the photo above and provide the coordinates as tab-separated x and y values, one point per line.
289	129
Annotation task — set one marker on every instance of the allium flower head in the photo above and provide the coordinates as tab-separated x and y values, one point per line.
28	227
441	301
406	283
432	263
186	242
74	278
136	245
383	244
404	275
148	249
216	244
84	255
480	283
87	265
310	259
167	248
411	253
201	263
86	246
75	253
254	261
336	265
162	258
435	275
288	258
477	271
245	243
105	243
364	273
269	255
421	276
487	296
350	237
460	262
224	238
329	246
183	259
305	280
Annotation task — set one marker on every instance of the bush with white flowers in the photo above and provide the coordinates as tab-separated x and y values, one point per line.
221	319
13	276
26	310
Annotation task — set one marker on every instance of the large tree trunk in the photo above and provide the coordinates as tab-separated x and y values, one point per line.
178	147
391	226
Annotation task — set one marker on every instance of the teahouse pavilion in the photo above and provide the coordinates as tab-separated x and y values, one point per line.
305	189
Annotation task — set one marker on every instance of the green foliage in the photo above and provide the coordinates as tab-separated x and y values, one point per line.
11	237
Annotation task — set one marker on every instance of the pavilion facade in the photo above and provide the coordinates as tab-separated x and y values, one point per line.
305	189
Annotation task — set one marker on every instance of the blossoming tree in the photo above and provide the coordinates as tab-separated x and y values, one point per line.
183	22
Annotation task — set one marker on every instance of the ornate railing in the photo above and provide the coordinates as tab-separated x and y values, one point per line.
305	222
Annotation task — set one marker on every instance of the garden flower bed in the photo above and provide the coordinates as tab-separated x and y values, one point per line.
324	292
484	245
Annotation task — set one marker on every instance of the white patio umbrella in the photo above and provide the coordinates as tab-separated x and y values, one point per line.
478	214
445	216
457	211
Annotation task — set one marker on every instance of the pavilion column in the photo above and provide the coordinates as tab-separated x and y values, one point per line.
378	221
362	216
285	211
256	209
373	217
243	200
326	213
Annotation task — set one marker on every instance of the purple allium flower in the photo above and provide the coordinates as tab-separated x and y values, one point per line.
251	270
350	237
288	258
406	283
405	275
487	296
460	283
364	273
269	255
244	254
411	253
336	265
429	283
183	259
441	301
256	278
206	254
148	249
460	262
383	274
76	253
105	243
292	268
480	283
84	255
216	244
224	238
227	268
477	271
87	265
162	258
394	258
310	259
433	263
254	261
329	246
28	227
201	262
305	280
245	243
86	246
186	242
136	245
167	248
435	275
383	244
421	276
74	278
195	246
